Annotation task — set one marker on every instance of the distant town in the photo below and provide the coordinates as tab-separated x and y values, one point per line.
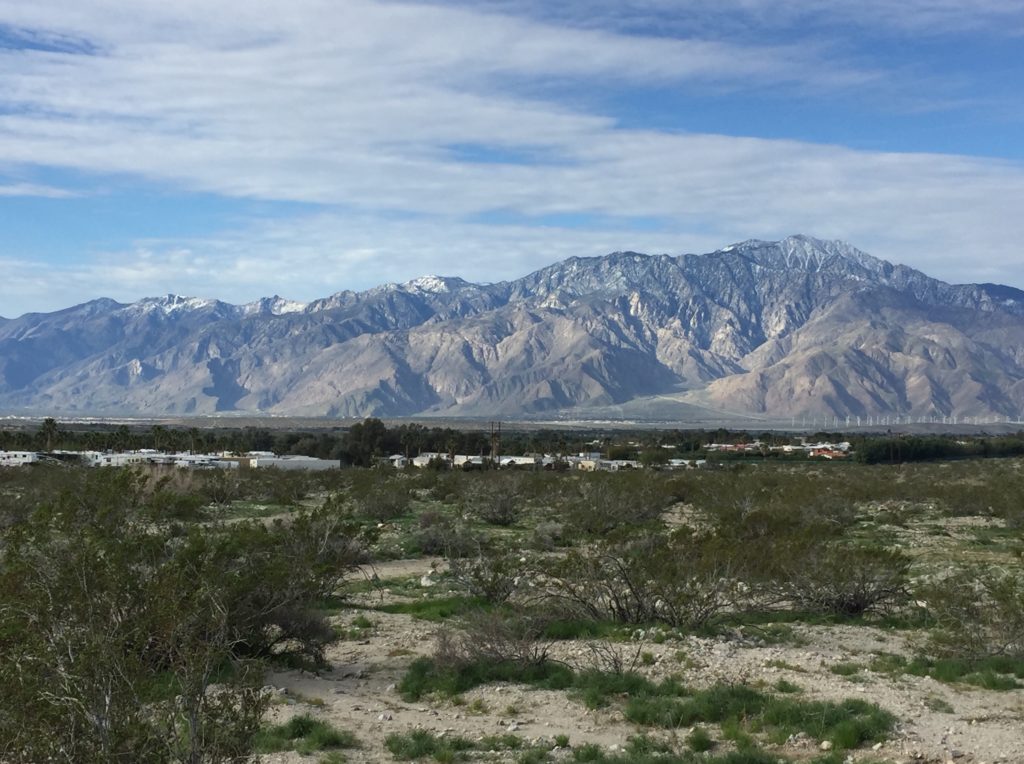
587	461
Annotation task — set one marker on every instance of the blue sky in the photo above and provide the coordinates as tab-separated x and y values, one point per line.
237	149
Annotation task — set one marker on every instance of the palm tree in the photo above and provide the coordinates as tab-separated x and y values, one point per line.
48	432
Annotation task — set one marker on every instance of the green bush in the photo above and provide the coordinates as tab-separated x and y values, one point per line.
305	735
113	628
679	579
843	580
493	575
699	740
604	502
419	744
978	613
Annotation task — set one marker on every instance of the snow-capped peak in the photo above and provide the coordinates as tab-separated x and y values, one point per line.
276	306
170	303
433	284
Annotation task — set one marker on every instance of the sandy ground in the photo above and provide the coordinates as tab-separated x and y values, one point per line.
359	694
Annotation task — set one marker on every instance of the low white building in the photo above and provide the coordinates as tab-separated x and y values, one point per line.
126	459
426	458
204	462
519	461
310	463
17	458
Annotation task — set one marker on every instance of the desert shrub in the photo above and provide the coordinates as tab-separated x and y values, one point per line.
699	740
493	575
112	638
305	735
603	502
439	534
446	486
380	496
770	513
607	658
840	579
681	579
496	637
124	640
166	505
494	498
221	487
547	535
286	487
978	613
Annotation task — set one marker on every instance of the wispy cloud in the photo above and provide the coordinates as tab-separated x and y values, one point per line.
33	189
738	17
361	108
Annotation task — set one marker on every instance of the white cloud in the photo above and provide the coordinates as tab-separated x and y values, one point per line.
356	106
34	189
753	17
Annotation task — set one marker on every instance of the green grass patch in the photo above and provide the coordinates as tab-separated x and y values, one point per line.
668	704
713	705
699	740
426	677
305	735
420	744
846	725
580	629
437	609
248	510
596	689
995	673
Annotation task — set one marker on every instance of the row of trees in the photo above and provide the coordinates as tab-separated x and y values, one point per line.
362	443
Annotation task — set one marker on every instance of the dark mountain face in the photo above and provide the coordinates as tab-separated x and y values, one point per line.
769	329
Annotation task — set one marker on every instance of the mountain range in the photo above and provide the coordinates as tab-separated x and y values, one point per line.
770	330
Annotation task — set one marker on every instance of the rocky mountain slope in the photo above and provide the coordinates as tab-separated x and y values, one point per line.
799	327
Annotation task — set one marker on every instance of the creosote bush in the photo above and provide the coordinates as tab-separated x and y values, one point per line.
495	498
493	575
978	613
495	637
598	503
840	579
680	579
129	640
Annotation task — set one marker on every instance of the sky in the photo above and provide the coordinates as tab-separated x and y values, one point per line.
245	148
